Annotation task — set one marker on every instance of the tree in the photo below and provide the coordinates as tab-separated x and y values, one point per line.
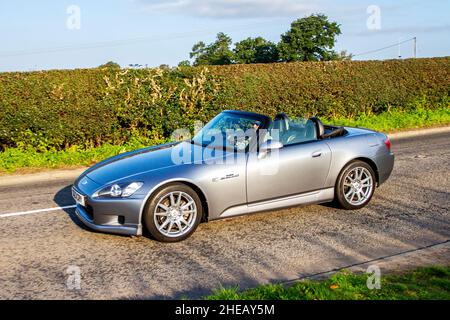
216	53
184	63
111	65
255	50
309	39
343	56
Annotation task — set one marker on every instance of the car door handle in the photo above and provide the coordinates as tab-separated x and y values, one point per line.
316	154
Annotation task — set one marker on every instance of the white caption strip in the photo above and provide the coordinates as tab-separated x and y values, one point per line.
23	213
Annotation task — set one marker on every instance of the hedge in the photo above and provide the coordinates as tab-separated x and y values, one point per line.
54	110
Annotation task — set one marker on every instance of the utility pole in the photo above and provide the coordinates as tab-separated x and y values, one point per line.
398	45
415	47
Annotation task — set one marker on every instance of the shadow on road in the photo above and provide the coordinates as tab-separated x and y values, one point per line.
64	198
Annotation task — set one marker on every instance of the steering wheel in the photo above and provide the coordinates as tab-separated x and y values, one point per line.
239	142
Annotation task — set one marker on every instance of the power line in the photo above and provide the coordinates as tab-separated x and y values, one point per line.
384	48
117	43
93	45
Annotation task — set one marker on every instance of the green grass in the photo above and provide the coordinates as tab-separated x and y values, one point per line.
15	159
399	120
18	159
432	283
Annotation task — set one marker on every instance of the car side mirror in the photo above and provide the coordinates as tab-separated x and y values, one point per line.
268	146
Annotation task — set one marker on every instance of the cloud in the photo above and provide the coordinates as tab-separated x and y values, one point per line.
231	8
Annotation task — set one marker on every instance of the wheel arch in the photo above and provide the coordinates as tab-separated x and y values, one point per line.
192	185
370	162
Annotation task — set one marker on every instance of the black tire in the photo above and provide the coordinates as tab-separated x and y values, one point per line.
341	189
149	213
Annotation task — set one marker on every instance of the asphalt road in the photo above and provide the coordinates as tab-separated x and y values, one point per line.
410	211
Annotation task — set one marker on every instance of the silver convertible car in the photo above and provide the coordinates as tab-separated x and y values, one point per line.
238	163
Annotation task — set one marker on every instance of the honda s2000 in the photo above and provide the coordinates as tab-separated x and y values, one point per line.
239	163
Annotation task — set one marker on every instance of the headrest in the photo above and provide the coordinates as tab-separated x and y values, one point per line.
283	119
319	127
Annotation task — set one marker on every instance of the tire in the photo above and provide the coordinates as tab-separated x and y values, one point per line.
355	185
173	213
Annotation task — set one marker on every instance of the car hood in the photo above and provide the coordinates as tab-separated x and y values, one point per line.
135	162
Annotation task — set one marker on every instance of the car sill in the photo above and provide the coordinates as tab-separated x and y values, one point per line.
291	201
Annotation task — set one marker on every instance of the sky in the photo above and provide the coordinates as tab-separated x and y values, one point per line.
59	34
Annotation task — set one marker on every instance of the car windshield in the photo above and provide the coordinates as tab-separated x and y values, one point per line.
229	131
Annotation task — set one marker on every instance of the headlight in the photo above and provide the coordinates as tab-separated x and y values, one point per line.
131	188
119	190
115	191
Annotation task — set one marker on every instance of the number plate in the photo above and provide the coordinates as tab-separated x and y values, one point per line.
80	199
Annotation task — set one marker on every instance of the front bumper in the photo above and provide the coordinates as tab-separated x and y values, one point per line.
118	216
118	229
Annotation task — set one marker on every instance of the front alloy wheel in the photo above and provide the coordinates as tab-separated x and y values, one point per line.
173	213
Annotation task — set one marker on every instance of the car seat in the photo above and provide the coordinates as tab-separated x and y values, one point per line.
281	123
319	127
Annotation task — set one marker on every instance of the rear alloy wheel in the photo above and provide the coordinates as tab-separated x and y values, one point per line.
355	185
173	213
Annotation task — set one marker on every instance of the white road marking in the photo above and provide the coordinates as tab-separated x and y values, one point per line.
23	213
